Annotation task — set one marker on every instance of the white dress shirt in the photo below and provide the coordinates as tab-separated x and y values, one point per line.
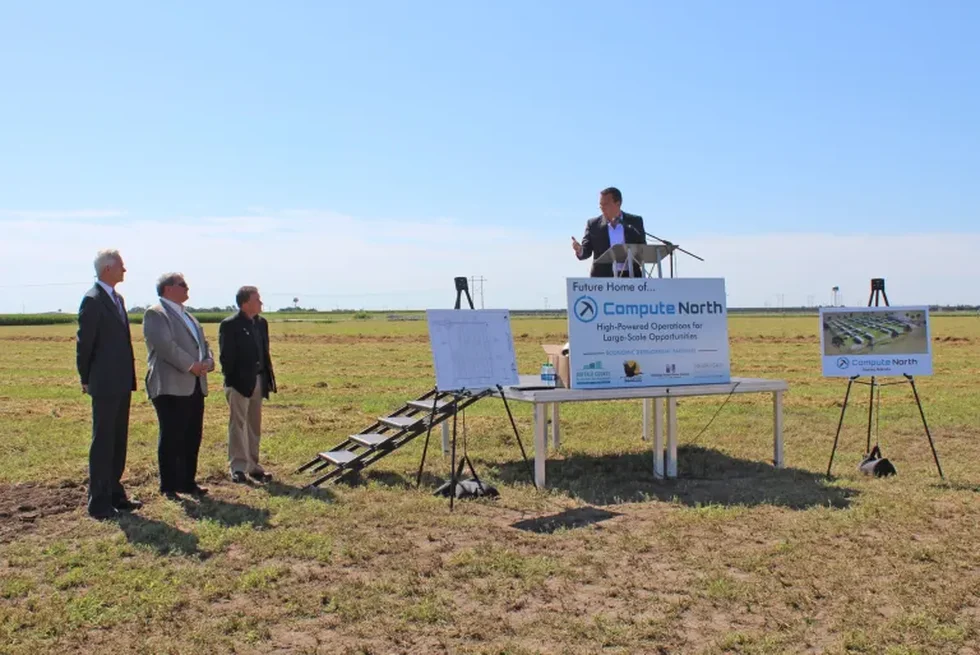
112	294
109	290
189	323
617	235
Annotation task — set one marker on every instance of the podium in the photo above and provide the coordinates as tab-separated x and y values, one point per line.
639	253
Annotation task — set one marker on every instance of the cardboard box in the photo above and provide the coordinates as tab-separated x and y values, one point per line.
560	362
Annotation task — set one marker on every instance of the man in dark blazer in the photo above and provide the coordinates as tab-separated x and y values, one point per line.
613	226
243	340
107	369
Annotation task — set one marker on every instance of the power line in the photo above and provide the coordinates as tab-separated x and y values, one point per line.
294	294
473	281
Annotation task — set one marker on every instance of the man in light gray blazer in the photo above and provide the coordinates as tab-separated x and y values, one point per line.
178	360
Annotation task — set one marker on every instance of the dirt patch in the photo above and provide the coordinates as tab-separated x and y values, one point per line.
23	505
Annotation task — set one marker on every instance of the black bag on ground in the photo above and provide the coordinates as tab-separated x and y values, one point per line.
876	465
468	488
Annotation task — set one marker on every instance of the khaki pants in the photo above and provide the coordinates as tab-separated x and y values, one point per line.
244	429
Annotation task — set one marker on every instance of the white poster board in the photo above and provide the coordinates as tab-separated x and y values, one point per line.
472	349
647	332
875	341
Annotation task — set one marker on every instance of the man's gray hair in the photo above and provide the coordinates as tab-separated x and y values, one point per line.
168	280
106	258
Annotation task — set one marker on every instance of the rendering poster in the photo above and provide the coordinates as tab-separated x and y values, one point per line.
856	341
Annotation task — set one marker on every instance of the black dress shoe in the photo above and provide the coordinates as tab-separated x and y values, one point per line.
239	477
128	505
105	515
261	477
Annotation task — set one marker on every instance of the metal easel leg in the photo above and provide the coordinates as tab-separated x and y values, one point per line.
840	424
871	405
926	426
428	433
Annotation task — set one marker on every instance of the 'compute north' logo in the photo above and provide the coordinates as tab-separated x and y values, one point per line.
585	309
843	363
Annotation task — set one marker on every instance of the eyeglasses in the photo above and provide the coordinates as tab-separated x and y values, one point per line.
180	284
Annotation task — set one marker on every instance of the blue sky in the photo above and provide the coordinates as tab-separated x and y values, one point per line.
361	154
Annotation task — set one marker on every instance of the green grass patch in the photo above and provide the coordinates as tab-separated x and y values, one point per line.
732	557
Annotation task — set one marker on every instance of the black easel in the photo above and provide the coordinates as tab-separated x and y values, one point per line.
877	292
454	473
465	398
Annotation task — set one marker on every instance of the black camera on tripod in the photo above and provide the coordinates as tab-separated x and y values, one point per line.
462	286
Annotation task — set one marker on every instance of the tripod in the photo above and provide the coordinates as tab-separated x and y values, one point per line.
462	398
877	293
462	287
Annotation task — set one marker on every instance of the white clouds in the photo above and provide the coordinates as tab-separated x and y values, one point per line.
331	260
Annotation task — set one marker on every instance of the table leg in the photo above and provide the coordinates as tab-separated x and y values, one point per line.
540	443
671	437
647	402
555	428
658	438
777	428
445	437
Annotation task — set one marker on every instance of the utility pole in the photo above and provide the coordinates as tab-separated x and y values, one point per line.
473	281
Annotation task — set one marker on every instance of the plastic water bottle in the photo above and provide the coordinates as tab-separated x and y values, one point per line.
548	377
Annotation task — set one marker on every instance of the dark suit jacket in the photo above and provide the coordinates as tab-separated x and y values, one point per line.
104	347
596	241
244	346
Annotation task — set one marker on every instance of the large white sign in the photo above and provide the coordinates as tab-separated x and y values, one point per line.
858	341
647	332
471	349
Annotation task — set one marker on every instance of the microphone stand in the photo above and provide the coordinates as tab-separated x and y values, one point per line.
670	245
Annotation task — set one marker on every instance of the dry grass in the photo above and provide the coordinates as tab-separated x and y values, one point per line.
735	556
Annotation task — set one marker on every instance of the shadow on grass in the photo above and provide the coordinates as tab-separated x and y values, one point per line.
397	480
705	477
276	488
165	539
578	517
957	486
225	513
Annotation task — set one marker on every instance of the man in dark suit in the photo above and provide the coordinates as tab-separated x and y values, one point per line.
178	362
107	368
612	227
243	340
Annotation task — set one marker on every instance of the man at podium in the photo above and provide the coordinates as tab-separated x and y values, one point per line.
613	226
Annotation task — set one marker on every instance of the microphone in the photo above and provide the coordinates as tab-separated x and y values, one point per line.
635	229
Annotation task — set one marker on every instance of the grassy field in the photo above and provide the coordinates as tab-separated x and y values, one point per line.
734	556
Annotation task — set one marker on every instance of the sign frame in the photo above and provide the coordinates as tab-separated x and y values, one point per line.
647	332
875	341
